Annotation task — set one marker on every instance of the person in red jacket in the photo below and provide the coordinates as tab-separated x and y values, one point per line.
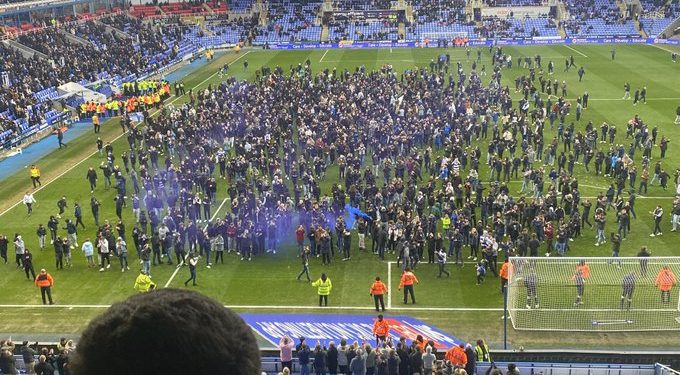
381	330
45	281
504	275
406	282
456	356
300	238
378	290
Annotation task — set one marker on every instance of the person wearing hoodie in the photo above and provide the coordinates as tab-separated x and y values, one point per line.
471	365
342	356
428	360
28	264
19	248
332	358
358	364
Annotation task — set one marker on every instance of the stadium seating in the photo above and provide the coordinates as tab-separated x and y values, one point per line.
513	3
363	5
364	31
657	16
235	6
290	22
597	18
182	9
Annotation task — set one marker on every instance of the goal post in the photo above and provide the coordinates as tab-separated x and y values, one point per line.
596	294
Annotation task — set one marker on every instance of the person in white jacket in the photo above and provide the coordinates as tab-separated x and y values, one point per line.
29	200
88	251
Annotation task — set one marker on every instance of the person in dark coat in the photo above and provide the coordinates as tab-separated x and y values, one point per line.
471	365
393	363
416	360
404	360
43	367
332	358
319	359
7	361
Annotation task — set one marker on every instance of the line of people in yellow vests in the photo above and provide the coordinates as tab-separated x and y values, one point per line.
117	106
136	88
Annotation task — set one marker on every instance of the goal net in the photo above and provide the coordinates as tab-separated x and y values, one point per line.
597	294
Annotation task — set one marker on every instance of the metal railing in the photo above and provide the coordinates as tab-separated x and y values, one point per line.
660	369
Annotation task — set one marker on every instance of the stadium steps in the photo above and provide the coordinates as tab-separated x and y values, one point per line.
113	30
402	30
409	13
26	51
562	13
324	33
560	29
622	7
75	39
264	15
207	8
642	32
675	24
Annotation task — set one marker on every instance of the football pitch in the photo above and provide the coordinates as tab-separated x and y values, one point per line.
267	283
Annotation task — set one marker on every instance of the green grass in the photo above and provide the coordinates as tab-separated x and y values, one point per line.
271	280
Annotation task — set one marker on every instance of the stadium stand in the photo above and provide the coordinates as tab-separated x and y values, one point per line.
597	18
657	16
236	6
291	22
363	30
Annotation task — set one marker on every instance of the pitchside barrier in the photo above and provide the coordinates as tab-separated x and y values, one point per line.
473	43
597	294
272	365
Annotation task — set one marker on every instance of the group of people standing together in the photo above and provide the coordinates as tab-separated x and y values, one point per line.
408	158
386	358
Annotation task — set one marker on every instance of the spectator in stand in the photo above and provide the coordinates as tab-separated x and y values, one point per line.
456	355
286	352
7	361
212	338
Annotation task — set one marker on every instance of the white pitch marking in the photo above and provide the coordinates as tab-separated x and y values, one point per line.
389	285
575	50
324	55
662	48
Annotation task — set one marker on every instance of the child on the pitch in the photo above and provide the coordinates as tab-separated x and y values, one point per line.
481	271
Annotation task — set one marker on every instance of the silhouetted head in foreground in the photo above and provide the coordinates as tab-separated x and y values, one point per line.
168	331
